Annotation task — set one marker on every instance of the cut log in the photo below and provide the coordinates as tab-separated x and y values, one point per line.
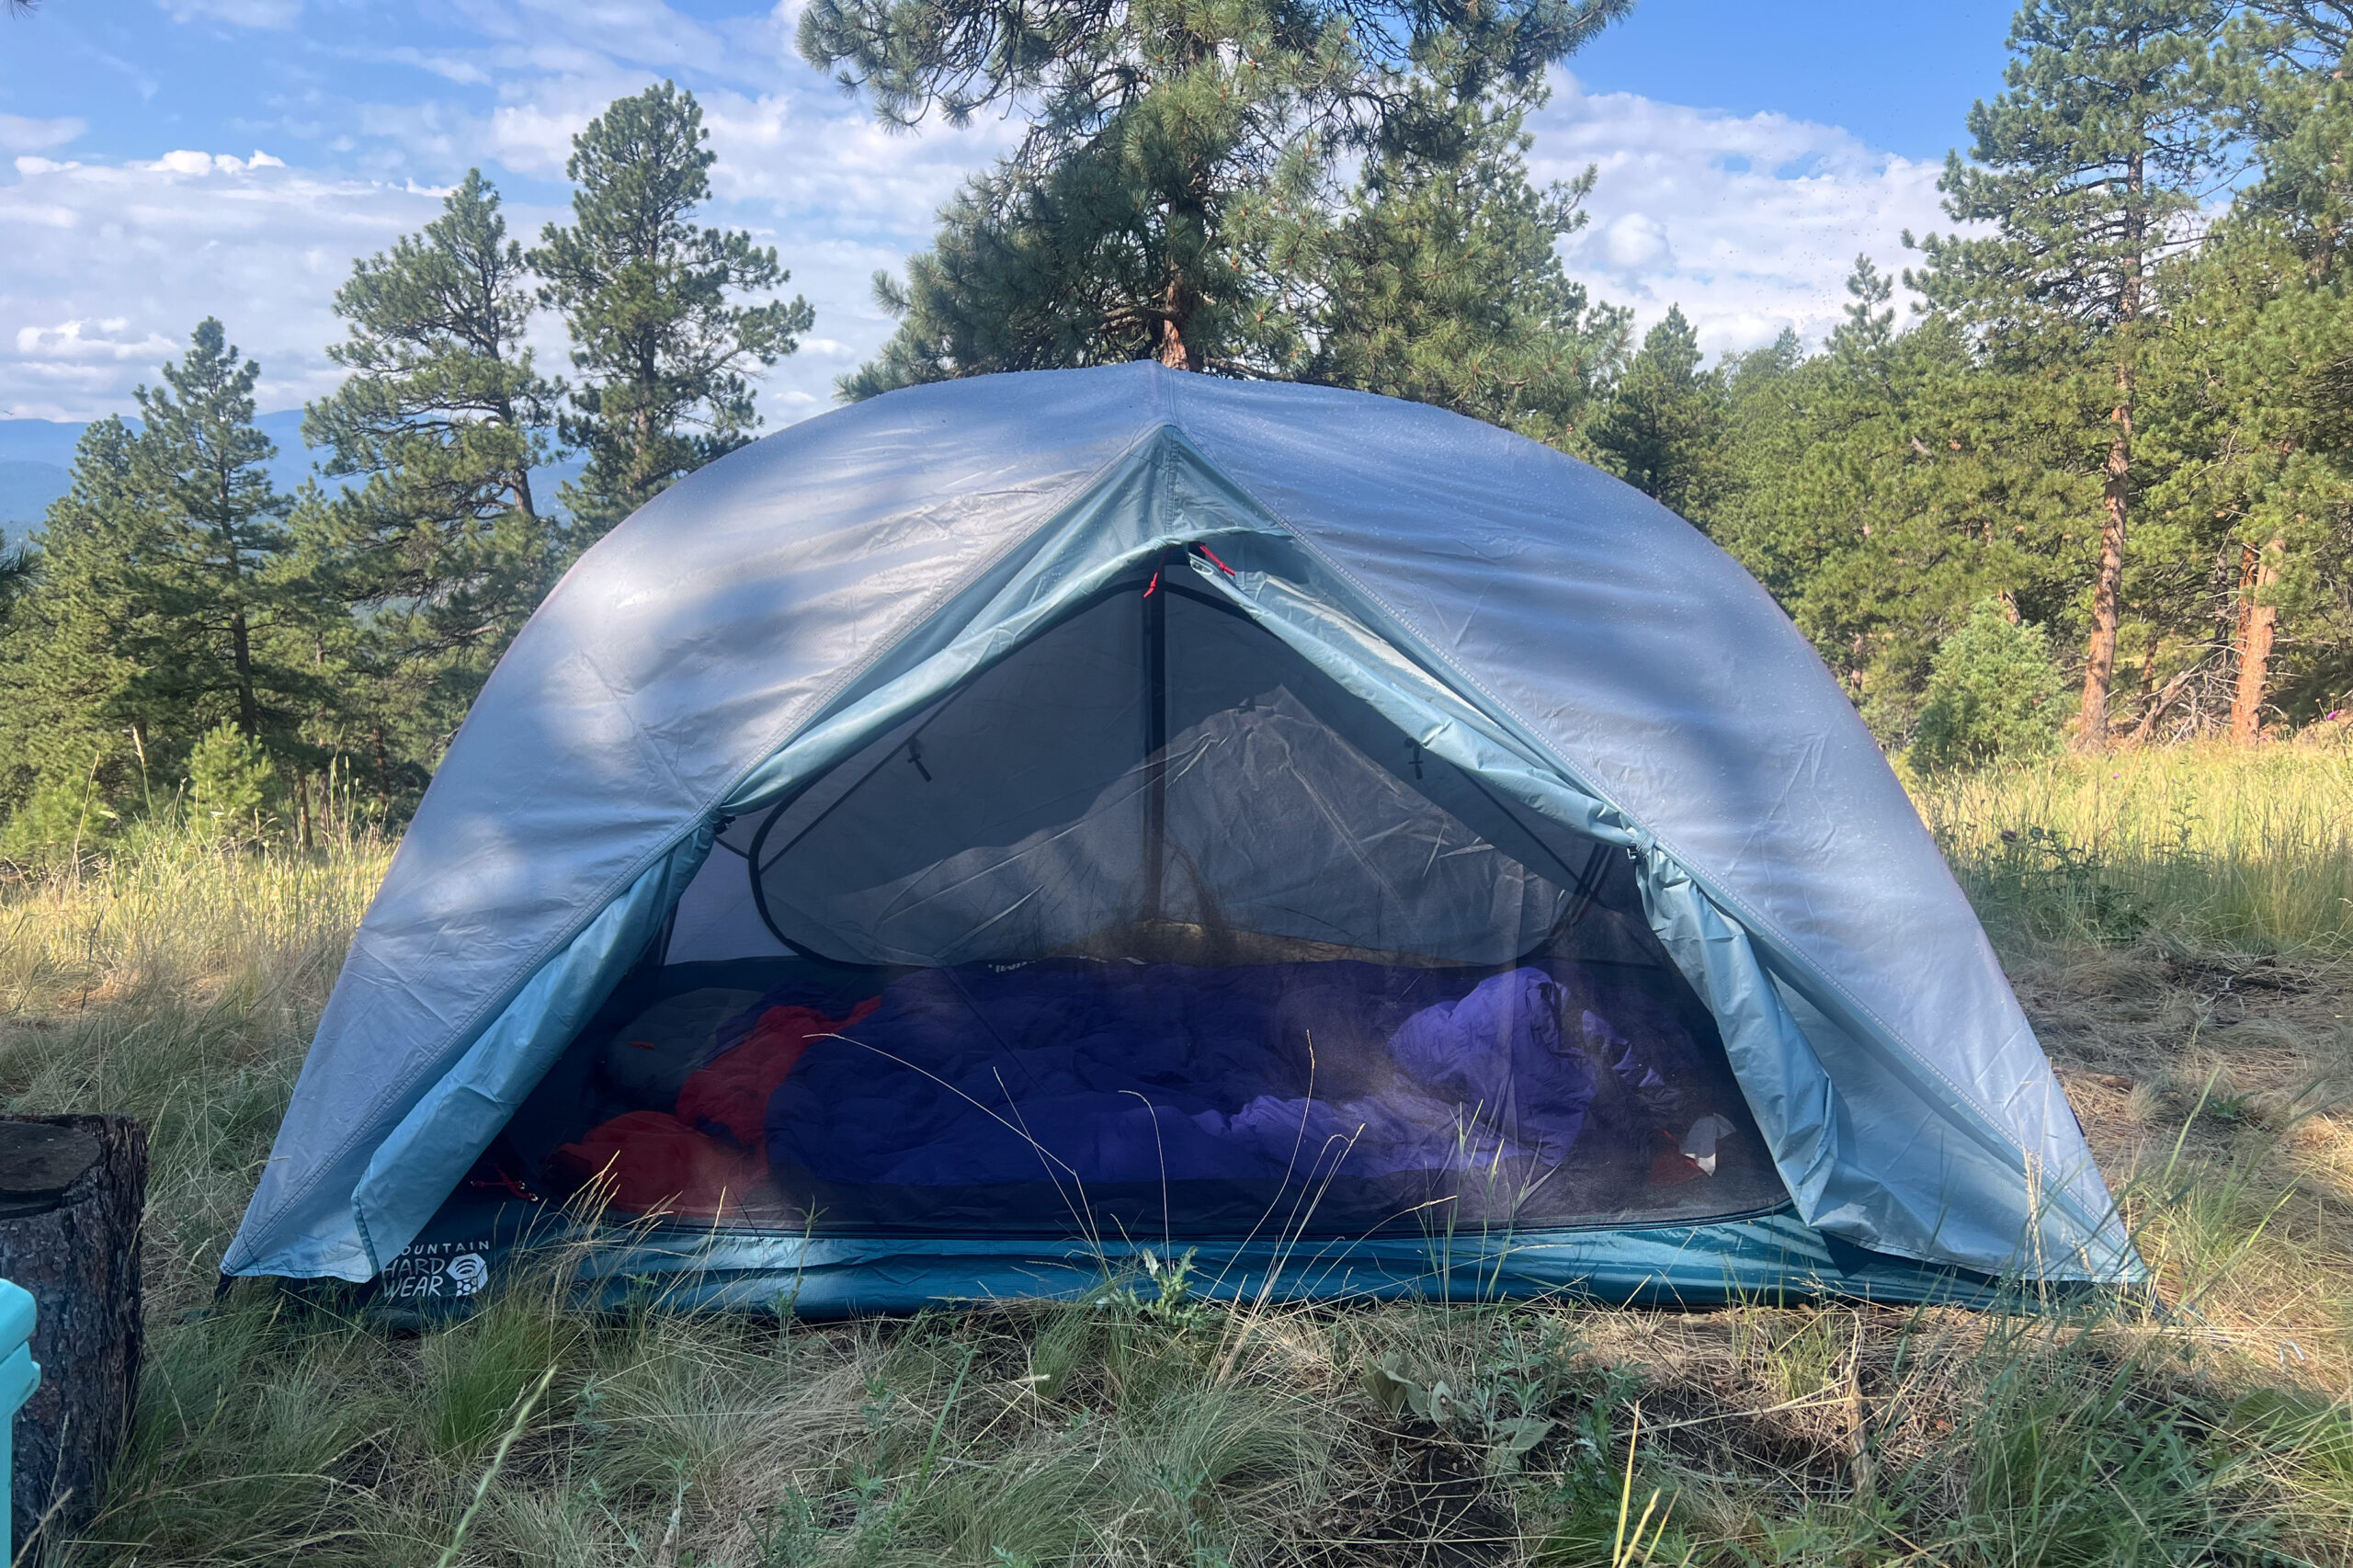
73	1190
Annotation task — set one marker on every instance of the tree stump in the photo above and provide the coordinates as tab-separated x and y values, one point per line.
73	1190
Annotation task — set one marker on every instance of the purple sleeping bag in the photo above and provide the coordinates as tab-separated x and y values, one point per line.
1071	1071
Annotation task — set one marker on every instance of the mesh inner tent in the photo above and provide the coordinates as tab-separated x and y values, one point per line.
1151	929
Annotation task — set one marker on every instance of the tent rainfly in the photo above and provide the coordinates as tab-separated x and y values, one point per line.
955	845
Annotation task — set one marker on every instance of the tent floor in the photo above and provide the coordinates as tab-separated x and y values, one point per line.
475	1245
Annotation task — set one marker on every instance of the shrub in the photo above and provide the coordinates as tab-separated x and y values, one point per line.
230	782
61	818
1993	695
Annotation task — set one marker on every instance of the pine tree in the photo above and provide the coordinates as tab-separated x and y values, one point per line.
163	605
2085	168
1994	695
1881	488
1660	429
1176	161
1440	283
2275	379
2258	408
62	660
2286	81
441	550
208	585
650	301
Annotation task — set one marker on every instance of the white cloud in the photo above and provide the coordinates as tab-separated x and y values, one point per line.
1636	241
18	134
87	341
1751	223
110	266
272	13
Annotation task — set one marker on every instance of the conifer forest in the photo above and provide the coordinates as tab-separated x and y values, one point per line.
2094	486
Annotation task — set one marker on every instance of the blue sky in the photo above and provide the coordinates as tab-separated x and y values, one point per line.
171	158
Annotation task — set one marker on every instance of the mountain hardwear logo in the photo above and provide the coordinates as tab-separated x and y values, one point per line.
442	1269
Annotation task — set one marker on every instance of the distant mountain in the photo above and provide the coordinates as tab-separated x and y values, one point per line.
26	491
36	466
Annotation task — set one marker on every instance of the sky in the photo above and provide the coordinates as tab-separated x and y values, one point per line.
162	160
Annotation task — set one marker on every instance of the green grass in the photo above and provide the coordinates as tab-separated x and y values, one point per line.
2178	926
2245	851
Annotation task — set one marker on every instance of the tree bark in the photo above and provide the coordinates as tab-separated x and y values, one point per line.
1178	304
73	1190
2258	623
384	771
2099	666
241	651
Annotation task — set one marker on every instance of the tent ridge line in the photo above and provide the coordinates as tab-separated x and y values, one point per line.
1756	922
1058	505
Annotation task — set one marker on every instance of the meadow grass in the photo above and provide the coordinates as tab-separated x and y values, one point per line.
2176	924
2241	850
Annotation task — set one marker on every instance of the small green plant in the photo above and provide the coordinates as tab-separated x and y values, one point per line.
1597	1522
1505	1401
477	1370
1170	1303
63	819
1992	696
2073	1467
2066	889
230	783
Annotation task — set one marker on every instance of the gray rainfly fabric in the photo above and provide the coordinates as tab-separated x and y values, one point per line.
1582	652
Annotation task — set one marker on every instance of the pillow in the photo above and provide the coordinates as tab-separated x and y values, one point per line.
647	1060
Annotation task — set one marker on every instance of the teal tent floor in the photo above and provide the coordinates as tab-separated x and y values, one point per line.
476	1245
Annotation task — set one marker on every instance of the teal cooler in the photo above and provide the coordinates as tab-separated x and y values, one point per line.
19	1375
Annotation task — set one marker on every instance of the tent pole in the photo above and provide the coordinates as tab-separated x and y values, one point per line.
1155	799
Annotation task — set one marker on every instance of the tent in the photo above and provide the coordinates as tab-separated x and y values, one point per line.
975	838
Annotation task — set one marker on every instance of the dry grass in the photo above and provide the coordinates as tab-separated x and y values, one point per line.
2193	989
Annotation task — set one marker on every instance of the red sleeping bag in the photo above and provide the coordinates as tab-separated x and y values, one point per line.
732	1095
701	1161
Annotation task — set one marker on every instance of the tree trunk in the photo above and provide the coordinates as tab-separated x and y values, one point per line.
1173	352
384	771
241	651
1176	309
2099	666
73	1190
1179	298
2258	623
